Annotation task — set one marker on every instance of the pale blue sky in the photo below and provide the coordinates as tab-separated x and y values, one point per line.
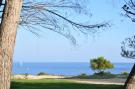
52	47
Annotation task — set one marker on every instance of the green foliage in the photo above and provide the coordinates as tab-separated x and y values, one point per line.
100	64
81	76
124	73
42	73
101	75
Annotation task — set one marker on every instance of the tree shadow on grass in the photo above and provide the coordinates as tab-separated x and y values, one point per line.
60	85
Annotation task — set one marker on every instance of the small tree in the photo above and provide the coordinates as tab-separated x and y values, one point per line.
100	64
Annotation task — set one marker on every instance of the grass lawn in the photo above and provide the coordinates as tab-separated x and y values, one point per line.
57	84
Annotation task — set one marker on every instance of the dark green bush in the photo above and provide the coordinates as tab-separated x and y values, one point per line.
42	73
124	73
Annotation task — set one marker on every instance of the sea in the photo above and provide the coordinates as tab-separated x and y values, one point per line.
64	68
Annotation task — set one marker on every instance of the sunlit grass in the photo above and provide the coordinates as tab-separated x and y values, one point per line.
57	84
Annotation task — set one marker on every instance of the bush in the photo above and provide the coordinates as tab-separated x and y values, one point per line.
81	76
103	75
100	64
42	73
124	73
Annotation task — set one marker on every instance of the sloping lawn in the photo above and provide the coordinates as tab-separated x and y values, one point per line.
57	84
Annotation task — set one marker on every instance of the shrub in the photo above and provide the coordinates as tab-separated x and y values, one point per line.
124	73
103	75
42	73
83	75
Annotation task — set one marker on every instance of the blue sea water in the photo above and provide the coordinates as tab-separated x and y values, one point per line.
65	68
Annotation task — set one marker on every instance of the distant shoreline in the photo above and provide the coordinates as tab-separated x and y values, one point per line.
23	76
67	62
67	69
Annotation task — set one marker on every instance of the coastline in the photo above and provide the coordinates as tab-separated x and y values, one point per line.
22	76
63	68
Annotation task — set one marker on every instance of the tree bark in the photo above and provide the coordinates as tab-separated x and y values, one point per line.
130	83
8	30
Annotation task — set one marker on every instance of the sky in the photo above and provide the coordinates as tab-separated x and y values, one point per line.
52	47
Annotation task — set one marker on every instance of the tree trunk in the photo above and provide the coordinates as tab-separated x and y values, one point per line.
130	83
8	29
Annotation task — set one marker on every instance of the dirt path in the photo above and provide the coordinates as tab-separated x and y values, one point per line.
114	81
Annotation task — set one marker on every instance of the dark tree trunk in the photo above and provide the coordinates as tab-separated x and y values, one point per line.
8	29
130	83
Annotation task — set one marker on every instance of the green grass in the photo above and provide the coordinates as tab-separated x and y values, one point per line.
57	84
